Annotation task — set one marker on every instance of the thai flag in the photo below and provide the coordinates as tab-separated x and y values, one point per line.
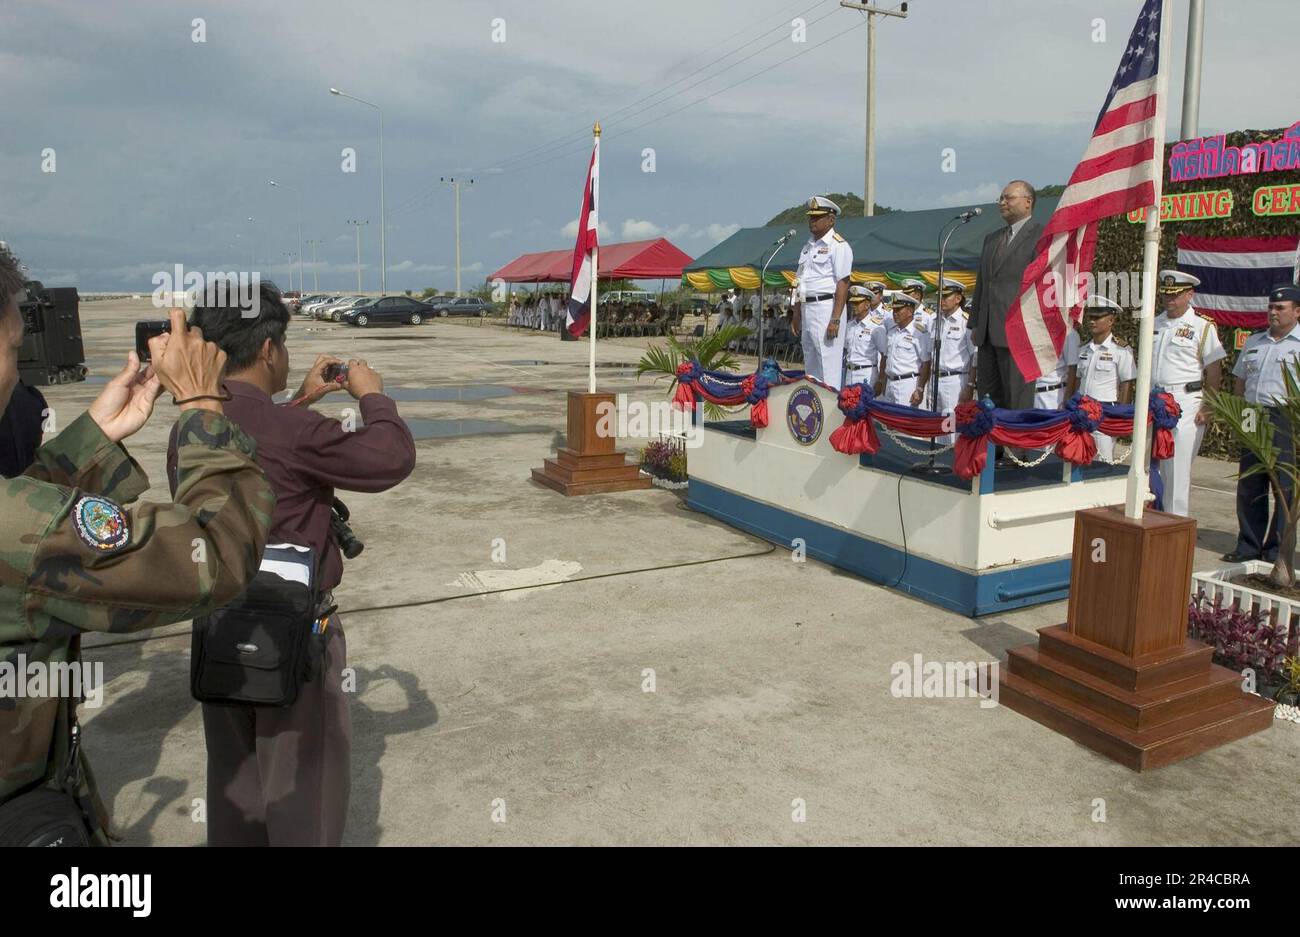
1237	274
584	251
1117	174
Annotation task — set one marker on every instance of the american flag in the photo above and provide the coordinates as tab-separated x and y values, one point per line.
579	314
1117	174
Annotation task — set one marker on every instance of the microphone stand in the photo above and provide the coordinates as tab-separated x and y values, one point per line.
762	288
929	468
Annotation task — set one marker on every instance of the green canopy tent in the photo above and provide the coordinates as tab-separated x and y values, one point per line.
889	247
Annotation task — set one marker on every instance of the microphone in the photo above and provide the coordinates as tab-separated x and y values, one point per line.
785	237
968	215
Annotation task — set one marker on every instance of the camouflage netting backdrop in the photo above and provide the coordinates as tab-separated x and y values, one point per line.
1119	244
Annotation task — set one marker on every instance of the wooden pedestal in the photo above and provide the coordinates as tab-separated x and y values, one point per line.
1121	676
589	464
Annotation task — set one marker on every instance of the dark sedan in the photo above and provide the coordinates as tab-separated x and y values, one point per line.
389	310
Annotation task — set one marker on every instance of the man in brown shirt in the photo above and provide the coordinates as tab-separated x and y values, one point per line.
281	776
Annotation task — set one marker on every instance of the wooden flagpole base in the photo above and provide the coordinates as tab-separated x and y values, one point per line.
1121	676
589	464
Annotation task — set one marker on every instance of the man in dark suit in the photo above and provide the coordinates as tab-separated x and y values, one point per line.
1006	253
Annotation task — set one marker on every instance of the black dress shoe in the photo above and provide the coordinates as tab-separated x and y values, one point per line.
1235	557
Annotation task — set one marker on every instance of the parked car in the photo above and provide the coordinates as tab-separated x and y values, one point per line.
326	311
309	309
390	309
335	313
299	305
464	306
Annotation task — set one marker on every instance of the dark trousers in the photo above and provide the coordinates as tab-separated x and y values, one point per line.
281	777
998	378
1255	535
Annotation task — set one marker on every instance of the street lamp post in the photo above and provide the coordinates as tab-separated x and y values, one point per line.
281	185
869	182
315	273
383	215
456	184
357	224
252	249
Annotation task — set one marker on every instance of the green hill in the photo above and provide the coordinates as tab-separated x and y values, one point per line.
850	207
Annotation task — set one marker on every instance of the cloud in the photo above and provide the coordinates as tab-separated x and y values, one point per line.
570	231
634	230
504	232
716	233
979	195
410	266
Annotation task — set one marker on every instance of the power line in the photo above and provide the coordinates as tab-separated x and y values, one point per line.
571	139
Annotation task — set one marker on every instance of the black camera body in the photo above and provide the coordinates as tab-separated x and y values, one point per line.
348	543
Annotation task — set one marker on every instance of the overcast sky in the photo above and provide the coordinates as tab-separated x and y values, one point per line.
163	146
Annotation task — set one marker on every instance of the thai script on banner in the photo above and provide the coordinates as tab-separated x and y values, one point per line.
1190	206
1209	157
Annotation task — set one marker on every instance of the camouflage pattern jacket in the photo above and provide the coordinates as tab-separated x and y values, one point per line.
73	559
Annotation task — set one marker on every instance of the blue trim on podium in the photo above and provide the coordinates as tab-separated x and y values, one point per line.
998	590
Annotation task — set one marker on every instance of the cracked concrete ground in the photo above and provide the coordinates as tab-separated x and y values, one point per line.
771	678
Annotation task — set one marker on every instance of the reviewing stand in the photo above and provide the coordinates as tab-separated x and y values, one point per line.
1121	676
589	464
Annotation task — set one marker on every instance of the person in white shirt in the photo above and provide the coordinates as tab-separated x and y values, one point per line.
905	353
1051	389
1103	368
1186	357
1259	374
916	289
861	358
823	276
956	352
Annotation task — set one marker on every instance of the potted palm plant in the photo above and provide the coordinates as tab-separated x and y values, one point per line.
709	351
1256	584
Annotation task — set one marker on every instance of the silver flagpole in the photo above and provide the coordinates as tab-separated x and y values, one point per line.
1137	474
595	258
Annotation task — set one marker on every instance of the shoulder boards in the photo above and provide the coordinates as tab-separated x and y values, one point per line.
836	235
920	326
1120	342
1209	319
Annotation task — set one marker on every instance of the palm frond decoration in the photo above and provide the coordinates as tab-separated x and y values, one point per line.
710	351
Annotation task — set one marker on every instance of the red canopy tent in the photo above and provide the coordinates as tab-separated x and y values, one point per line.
634	260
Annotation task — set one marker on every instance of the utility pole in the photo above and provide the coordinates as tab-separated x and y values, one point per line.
288	262
357	225
315	274
456	184
1192	70
869	182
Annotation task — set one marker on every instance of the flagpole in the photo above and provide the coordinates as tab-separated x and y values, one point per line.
595	259
1139	458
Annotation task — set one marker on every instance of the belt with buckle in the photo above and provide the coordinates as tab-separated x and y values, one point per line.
901	377
818	297
862	367
1193	387
951	373
1049	387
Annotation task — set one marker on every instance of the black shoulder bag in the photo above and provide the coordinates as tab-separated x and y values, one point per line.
259	649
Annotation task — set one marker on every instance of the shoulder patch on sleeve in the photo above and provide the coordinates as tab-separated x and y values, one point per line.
101	524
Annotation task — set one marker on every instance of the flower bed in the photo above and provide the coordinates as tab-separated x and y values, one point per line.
1248	638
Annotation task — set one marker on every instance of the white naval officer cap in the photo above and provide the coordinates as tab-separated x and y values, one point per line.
1175	281
859	294
911	283
820	205
902	299
876	286
1099	305
953	286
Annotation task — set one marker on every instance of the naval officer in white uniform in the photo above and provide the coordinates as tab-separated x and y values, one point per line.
824	267
1185	358
905	353
956	352
860	355
1103	369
